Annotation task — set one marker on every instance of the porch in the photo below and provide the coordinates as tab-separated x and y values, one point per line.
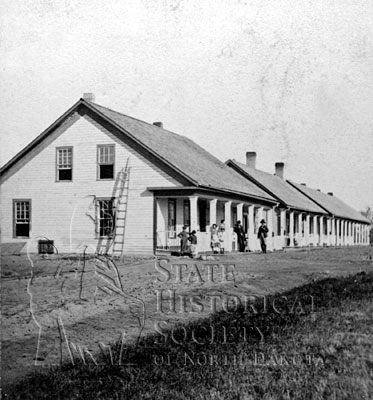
200	212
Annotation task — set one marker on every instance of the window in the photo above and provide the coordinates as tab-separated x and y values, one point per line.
187	213
171	218
105	161
105	217
21	218
64	164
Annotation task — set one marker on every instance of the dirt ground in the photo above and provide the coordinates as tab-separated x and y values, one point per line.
90	303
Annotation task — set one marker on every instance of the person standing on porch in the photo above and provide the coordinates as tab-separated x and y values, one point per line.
262	235
214	239
238	229
221	236
183	241
193	244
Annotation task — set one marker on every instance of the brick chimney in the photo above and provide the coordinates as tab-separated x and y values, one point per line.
159	124
89	96
251	159
330	193
280	169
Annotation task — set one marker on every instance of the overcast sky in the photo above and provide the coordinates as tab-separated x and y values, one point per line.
292	80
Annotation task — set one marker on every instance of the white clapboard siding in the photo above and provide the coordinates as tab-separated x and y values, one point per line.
59	209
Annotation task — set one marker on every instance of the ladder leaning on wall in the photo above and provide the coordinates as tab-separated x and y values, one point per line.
120	195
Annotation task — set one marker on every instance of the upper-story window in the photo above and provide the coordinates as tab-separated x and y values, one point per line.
64	164
105	161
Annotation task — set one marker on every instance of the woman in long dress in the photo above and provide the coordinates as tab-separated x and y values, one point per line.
183	241
193	244
221	236
215	245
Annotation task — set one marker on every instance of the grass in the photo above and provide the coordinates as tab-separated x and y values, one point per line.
294	349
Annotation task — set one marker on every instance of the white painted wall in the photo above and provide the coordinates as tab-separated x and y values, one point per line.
53	203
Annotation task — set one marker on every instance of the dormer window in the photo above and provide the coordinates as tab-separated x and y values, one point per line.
105	161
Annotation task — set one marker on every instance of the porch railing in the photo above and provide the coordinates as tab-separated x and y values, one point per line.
167	239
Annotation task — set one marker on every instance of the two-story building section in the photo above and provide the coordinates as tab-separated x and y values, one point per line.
105	182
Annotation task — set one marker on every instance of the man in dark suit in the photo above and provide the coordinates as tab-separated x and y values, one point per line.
262	235
238	229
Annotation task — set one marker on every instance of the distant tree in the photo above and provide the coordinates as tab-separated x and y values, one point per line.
368	213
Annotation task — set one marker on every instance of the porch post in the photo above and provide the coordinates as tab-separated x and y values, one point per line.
193	212
316	236
361	234
351	233
213	206
270	229
338	231
283	227
345	233
291	228
300	223
307	230
345	230
228	224
251	223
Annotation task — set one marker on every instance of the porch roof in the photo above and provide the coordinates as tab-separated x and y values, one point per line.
207	191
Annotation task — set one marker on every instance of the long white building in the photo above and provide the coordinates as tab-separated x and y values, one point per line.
105	182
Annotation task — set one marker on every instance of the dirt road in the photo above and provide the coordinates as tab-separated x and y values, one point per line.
87	304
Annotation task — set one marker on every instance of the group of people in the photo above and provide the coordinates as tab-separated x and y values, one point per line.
188	240
242	239
218	238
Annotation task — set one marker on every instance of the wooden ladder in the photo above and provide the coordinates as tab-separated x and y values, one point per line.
121	193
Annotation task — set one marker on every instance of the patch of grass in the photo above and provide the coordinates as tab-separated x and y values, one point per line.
294	348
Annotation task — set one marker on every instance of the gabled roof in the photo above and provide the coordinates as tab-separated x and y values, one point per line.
180	153
277	187
330	203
